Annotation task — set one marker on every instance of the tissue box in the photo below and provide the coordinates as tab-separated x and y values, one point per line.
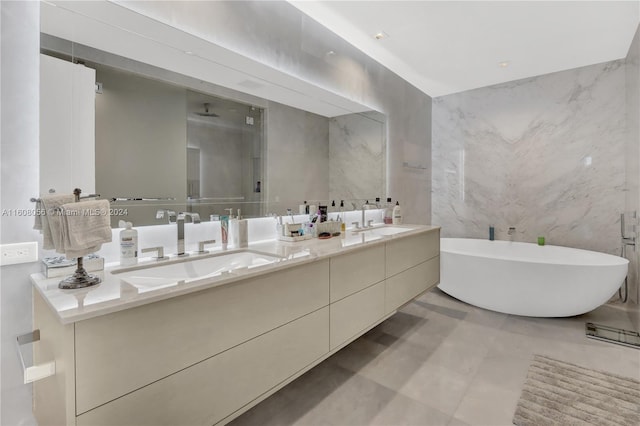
60	266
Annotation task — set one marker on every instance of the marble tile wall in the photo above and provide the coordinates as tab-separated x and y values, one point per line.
357	157
545	155
633	155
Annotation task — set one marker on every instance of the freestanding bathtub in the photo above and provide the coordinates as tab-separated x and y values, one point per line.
527	279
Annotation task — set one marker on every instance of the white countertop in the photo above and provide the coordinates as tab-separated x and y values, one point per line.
114	294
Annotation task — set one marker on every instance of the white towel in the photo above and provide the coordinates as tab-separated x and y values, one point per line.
86	226
52	221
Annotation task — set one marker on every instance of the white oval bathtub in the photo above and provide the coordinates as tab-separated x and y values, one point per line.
527	279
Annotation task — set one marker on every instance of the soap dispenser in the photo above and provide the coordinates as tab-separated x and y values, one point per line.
243	231
397	214
128	244
388	212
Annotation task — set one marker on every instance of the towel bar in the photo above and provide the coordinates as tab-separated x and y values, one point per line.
34	372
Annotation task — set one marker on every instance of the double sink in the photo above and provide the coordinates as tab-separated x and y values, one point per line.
160	275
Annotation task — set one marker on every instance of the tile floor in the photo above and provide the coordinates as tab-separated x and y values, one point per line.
439	361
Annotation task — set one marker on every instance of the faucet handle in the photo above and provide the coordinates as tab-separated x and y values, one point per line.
159	250
356	224
370	223
201	245
170	213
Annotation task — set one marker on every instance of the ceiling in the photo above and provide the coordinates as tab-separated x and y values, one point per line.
443	47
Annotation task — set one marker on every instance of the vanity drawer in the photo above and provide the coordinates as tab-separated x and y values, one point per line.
408	252
353	314
121	352
211	390
352	272
406	285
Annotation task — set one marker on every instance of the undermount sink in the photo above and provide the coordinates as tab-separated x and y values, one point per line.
358	236
159	275
386	230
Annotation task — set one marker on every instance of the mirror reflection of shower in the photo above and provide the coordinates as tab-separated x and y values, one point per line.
224	153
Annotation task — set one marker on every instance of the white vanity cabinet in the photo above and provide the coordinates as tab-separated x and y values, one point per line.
412	267
207	356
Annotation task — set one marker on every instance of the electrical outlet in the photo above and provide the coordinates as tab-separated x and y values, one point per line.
11	254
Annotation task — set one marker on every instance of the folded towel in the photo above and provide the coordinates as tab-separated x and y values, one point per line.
86	226
52	221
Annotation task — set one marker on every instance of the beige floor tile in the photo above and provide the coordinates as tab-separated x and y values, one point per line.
437	387
356	401
486	404
440	361
457	422
402	410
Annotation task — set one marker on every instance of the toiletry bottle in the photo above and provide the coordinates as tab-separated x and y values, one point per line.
397	214
492	233
343	226
388	212
224	230
234	232
128	244
322	212
377	202
279	226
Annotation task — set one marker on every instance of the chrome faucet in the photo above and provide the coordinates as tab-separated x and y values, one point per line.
366	206
171	215
195	218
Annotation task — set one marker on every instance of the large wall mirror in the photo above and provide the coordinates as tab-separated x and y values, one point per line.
167	140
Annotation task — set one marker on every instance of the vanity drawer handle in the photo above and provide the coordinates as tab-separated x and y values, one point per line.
33	372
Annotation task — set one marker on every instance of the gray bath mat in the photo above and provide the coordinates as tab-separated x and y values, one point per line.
559	393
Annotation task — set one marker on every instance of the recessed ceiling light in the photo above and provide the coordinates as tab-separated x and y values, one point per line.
331	53
188	52
503	64
380	35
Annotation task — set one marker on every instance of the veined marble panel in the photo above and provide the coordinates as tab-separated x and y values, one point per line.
356	157
545	155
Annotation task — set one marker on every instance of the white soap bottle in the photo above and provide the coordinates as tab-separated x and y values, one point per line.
128	244
397	214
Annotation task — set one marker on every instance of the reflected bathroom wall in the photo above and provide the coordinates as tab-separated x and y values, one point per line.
357	147
545	155
224	156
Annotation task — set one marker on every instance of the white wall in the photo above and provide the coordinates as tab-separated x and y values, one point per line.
19	147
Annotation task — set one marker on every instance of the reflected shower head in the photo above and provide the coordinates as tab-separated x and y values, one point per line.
206	112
